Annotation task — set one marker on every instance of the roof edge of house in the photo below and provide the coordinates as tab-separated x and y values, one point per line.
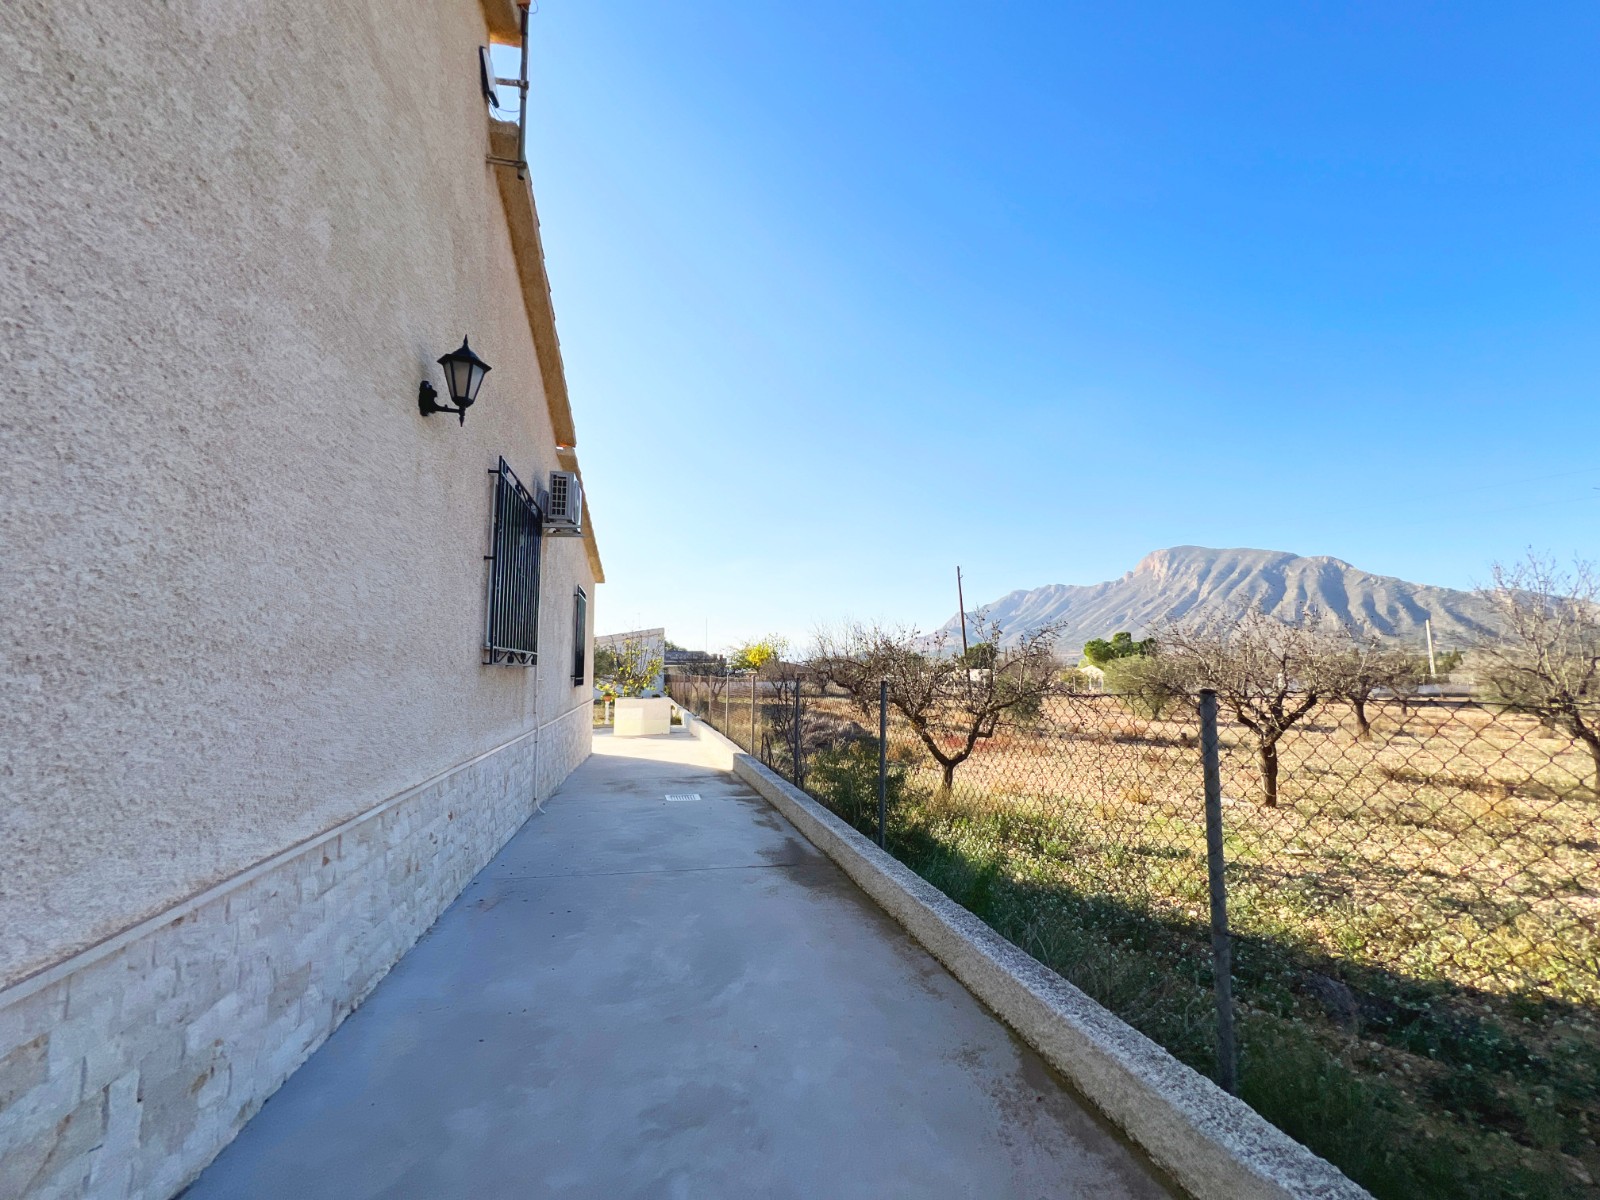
527	248
503	19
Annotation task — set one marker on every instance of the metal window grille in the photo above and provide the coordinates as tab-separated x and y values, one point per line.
511	623
560	494
580	637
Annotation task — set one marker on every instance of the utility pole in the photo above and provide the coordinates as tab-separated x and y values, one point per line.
961	606
1427	626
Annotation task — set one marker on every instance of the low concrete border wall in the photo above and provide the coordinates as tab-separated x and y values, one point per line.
1213	1144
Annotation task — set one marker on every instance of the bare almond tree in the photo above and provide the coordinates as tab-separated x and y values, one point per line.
1546	658
1367	665
1268	673
951	706
715	683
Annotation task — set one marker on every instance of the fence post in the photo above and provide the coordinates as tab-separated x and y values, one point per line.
883	759
798	749
1216	863
753	714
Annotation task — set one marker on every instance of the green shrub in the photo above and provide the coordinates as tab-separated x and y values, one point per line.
1099	652
1137	680
845	778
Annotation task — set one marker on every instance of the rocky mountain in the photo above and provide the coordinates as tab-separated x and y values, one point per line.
1196	583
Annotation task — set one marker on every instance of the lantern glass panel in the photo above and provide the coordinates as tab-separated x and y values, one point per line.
475	374
456	373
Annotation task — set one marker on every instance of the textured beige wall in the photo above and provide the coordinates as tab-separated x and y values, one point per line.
242	577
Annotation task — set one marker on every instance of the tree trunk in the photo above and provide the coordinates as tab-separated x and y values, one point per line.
947	765
1363	726
1592	741
1269	773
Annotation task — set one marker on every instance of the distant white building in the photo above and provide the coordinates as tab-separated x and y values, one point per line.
1089	676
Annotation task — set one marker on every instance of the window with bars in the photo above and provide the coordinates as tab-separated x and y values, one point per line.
580	637
511	624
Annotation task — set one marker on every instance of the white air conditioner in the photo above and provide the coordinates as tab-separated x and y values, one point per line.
563	517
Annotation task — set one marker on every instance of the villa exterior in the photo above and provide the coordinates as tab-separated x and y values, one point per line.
275	687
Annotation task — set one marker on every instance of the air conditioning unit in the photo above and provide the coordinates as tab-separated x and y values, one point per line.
563	516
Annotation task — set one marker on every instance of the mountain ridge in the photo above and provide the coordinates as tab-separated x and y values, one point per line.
1203	584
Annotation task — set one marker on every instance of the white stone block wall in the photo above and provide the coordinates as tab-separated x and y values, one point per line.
126	1068
567	741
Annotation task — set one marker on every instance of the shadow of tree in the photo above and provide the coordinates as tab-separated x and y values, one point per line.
1415	1088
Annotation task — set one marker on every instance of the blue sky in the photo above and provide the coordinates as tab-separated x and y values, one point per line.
851	293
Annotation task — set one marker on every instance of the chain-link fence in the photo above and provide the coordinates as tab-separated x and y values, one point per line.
1413	921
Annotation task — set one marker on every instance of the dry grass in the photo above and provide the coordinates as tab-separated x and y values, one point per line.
1454	844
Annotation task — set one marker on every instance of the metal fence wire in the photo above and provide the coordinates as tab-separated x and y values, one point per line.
1417	904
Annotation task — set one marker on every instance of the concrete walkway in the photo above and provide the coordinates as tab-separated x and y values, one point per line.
675	998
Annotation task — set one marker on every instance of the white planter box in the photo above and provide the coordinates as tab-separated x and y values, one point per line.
640	716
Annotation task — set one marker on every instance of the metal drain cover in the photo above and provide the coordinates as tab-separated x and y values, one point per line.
682	797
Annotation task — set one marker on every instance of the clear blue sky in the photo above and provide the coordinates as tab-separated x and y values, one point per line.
850	293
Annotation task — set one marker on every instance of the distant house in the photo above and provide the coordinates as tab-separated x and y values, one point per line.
695	662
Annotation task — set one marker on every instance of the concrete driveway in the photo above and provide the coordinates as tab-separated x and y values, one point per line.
644	996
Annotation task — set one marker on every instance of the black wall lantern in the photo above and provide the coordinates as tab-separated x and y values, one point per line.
463	375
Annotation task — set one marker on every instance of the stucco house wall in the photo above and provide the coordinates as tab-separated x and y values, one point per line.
250	750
